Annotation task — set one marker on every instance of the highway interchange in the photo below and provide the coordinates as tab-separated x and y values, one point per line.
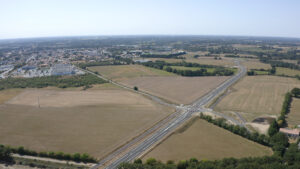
159	131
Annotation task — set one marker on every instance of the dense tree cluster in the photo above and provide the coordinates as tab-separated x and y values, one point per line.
5	155
172	55
202	71
57	81
295	92
6	150
232	56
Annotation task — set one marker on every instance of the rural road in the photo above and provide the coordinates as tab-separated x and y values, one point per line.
170	125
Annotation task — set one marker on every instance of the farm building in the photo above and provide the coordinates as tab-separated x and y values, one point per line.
294	133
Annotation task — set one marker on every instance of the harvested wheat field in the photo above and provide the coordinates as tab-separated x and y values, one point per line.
287	71
177	89
128	71
205	141
256	96
255	64
91	121
293	118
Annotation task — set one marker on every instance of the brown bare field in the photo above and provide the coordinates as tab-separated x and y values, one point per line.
92	121
128	71
293	118
255	64
256	96
177	89
205	141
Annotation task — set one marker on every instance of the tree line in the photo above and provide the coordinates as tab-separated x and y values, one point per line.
45	81
290	161
271	71
172	55
116	61
5	155
277	63
241	131
277	141
202	71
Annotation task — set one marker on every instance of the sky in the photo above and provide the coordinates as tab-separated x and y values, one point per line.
46	18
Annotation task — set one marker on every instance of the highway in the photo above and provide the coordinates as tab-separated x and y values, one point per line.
173	123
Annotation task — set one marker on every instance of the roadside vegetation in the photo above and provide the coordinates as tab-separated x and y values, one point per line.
56	81
203	140
285	155
5	154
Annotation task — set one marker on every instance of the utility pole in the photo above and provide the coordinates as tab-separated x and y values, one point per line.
39	102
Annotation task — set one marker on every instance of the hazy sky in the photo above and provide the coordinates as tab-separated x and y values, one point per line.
40	18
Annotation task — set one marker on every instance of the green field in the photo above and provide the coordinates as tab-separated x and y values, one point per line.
259	72
205	141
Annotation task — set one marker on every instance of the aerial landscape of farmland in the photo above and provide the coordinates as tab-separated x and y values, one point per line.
149	84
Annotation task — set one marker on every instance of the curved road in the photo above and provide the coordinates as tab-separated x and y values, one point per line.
173	122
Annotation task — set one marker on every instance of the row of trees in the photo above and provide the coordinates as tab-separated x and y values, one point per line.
291	160
57	81
278	141
5	152
242	131
202	71
276	63
232	56
271	71
281	121
116	61
172	55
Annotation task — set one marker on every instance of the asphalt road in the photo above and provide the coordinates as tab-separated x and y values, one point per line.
179	119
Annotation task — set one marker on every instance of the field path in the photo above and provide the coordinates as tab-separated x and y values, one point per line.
53	160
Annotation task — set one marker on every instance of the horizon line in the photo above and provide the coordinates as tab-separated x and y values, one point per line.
132	35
